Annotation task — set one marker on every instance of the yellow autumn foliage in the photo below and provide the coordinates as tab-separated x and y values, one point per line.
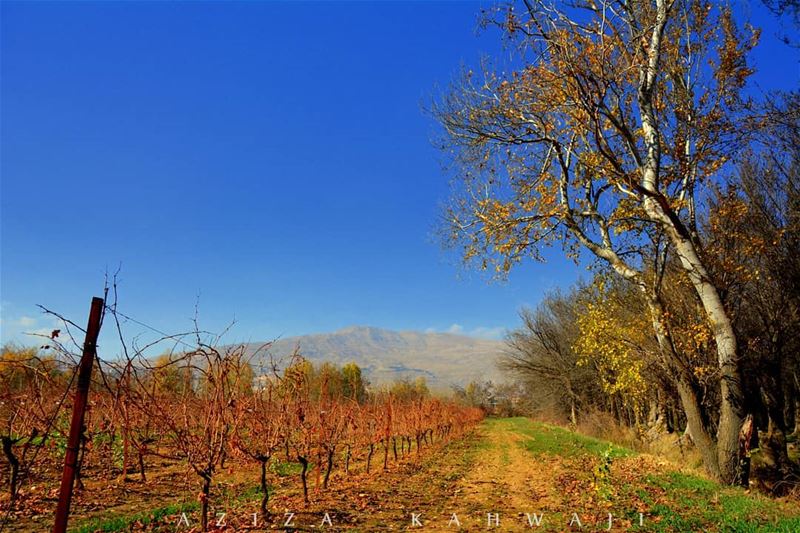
612	340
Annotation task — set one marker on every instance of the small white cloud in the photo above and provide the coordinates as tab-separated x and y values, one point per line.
488	333
481	332
26	322
21	328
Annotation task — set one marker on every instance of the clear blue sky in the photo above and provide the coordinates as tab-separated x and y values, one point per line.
271	158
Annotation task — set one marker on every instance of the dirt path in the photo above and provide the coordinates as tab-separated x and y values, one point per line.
490	482
506	482
508	488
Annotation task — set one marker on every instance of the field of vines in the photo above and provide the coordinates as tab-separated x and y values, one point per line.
201	414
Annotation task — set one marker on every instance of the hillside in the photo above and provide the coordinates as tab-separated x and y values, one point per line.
443	359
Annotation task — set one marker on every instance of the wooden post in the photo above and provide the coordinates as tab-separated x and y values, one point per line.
78	412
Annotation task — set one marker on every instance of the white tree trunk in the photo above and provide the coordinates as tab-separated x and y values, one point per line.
658	210
731	414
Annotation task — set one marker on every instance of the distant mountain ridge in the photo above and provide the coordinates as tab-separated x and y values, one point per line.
444	359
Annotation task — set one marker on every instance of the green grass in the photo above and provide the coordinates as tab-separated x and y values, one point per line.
287	468
123	522
696	502
544	438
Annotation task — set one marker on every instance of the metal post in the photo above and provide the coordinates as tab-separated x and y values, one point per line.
78	411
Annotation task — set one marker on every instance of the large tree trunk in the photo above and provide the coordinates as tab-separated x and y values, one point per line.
731	412
690	400
732	395
703	440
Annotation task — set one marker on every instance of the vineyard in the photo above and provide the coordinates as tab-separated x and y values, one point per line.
190	418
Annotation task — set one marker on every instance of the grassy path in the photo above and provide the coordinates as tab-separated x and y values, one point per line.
525	473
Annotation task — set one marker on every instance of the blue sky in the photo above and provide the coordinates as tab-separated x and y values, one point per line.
269	160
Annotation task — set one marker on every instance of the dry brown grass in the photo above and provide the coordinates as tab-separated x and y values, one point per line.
672	447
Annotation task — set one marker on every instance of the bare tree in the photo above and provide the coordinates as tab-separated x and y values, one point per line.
540	352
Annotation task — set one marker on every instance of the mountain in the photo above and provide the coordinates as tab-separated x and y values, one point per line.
444	359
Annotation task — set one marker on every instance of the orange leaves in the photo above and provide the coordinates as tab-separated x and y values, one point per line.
627	216
508	228
703	372
732	70
737	249
693	338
